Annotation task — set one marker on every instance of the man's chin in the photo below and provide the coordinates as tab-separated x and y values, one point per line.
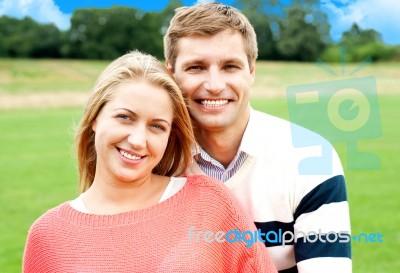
211	124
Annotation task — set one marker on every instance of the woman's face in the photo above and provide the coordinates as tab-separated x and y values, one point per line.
132	131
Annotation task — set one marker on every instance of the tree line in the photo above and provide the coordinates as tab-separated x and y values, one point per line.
299	33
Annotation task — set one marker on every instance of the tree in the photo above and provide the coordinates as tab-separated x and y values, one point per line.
27	38
299	32
362	44
255	11
356	36
167	13
109	33
8	28
299	40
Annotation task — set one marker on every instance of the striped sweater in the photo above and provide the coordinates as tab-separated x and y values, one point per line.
280	199
176	235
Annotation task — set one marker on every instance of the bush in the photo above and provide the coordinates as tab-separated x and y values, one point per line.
375	50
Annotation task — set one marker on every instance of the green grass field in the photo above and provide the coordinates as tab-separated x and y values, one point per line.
37	163
22	75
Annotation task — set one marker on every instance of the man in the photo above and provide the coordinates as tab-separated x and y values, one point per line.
211	50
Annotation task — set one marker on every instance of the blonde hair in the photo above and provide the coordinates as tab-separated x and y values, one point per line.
140	66
207	20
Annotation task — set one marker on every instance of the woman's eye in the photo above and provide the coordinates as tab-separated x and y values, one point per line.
158	127
123	117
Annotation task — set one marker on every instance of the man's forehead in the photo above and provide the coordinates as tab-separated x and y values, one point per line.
193	48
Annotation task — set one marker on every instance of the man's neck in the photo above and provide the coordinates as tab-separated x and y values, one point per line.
222	145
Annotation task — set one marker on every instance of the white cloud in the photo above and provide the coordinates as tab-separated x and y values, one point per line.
43	11
198	2
380	15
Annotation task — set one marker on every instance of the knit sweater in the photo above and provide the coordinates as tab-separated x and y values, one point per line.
181	234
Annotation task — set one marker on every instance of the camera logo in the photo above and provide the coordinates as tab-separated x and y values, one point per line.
344	110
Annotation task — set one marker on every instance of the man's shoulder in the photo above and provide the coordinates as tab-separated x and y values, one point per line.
285	144
263	126
264	118
272	127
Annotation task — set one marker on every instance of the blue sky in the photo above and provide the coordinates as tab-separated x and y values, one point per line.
381	15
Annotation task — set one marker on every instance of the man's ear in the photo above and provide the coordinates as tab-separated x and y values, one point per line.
169	67
253	72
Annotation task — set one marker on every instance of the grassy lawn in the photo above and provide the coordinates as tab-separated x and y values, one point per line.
37	164
25	75
37	172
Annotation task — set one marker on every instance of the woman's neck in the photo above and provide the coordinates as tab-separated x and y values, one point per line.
118	197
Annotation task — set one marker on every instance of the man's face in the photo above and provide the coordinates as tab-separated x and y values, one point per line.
214	75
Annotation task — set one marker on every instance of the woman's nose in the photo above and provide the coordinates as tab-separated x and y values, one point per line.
138	137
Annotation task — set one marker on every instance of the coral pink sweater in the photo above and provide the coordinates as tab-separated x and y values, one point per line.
177	235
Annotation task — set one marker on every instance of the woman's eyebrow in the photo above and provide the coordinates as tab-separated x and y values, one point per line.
134	114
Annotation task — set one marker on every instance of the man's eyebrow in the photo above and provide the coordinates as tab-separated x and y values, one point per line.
193	61
232	60
200	61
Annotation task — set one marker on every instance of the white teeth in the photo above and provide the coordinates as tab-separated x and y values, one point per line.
214	103
129	156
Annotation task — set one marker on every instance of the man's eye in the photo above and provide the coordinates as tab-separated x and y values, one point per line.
195	67
231	66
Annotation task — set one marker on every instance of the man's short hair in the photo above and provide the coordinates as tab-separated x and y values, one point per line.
207	20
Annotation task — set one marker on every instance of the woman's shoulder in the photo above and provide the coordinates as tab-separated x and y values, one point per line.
212	190
215	199
202	180
48	218
207	183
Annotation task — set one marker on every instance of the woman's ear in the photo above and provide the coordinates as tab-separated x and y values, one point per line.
94	123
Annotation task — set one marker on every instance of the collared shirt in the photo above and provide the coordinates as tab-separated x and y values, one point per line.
215	169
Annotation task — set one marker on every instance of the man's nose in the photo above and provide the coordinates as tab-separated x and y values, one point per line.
215	81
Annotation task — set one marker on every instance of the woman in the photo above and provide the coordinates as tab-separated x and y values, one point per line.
134	214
